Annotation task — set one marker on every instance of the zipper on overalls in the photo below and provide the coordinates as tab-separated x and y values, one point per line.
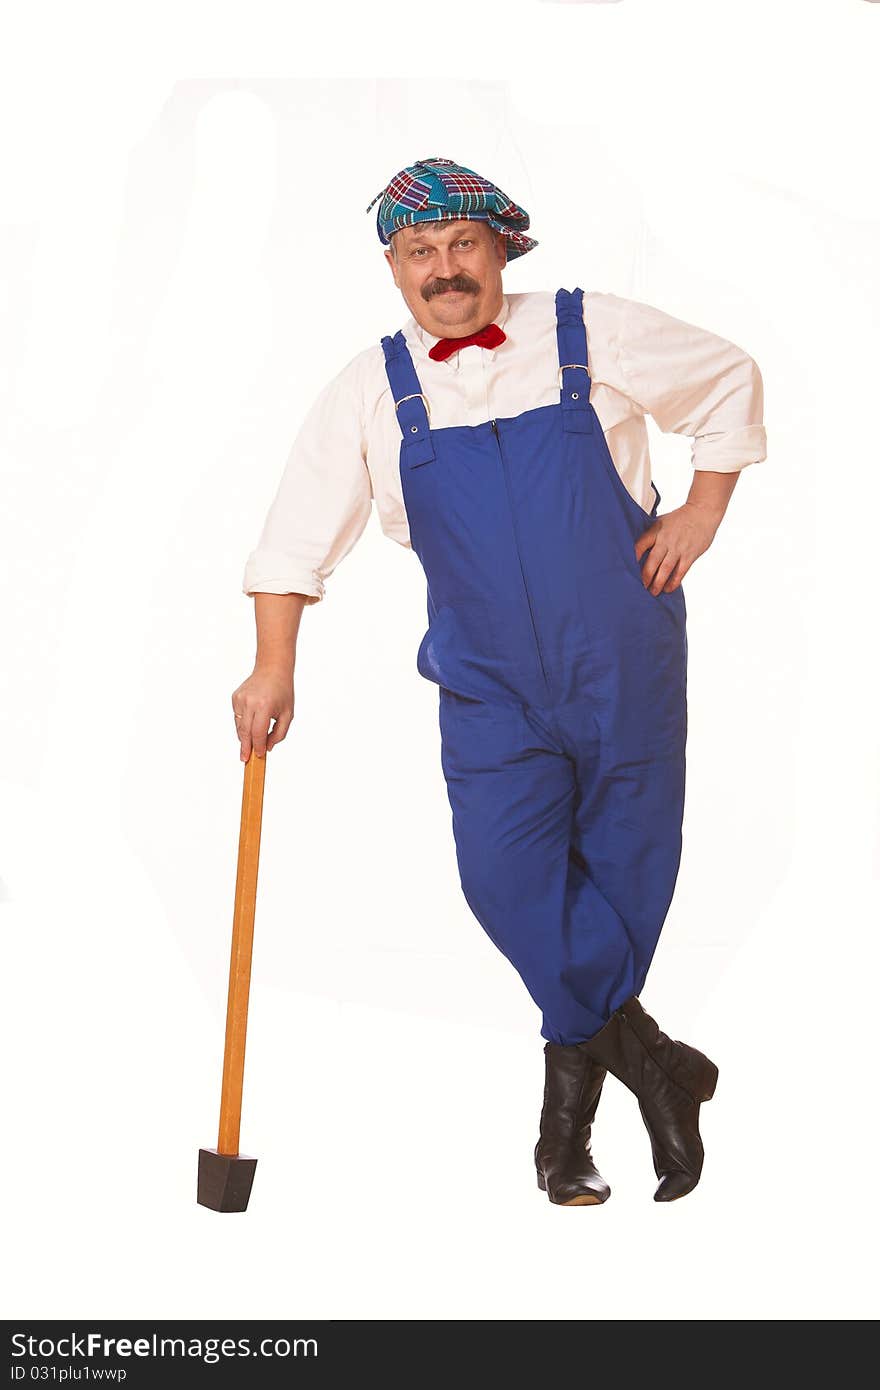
497	434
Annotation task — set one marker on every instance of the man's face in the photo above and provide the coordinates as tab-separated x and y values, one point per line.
449	273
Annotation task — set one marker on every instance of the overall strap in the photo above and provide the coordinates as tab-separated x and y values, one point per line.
574	376
410	404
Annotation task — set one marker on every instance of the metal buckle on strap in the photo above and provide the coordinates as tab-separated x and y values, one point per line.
582	365
416	396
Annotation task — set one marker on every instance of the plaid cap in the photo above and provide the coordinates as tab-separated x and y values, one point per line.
435	190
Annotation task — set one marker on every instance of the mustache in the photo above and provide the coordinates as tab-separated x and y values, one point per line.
462	283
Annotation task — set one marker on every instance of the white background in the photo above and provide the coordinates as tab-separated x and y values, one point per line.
185	260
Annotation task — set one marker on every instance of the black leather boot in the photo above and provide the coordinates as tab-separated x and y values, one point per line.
670	1081
572	1086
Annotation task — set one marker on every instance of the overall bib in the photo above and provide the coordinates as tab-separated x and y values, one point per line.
562	706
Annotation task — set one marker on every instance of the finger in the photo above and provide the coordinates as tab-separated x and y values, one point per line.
282	724
243	728
237	716
664	569
259	731
646	540
677	575
652	564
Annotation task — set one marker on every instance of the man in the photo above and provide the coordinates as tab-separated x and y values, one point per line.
484	429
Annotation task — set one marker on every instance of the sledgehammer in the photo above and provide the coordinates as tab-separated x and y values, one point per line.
225	1175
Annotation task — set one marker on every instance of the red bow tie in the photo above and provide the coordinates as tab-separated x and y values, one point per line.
488	337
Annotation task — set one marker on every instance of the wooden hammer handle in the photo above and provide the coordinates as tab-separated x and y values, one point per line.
242	952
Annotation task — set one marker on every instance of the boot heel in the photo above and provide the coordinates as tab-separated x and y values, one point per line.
703	1077
709	1080
541	1182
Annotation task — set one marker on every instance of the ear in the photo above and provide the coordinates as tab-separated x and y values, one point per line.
501	248
389	256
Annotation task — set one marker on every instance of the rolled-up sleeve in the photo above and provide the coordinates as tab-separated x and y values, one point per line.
695	383
324	498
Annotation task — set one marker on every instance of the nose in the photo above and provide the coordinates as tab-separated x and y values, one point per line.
446	265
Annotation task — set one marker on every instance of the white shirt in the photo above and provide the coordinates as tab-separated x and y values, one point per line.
641	361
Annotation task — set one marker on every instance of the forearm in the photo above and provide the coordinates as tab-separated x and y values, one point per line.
278	618
711	492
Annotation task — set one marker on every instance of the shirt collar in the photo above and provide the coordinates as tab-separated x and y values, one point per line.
420	338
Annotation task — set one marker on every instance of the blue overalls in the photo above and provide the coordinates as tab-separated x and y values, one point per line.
563	708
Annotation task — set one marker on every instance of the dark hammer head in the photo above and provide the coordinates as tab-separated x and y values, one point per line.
225	1180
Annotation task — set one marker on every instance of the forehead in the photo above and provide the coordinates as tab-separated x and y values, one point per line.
434	231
